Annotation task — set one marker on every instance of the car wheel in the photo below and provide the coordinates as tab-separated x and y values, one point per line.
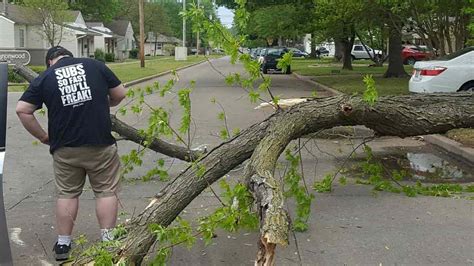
264	69
353	57
411	61
468	87
288	70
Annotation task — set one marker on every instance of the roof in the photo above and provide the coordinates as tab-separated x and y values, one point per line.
20	14
118	27
94	24
23	15
73	14
162	38
84	30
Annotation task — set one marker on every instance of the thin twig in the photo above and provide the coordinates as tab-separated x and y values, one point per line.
365	141
301	167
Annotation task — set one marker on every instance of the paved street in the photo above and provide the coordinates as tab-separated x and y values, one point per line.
349	226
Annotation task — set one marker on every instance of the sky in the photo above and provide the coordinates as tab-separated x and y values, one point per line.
226	16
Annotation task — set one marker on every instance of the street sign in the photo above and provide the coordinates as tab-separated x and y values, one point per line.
13	57
5	252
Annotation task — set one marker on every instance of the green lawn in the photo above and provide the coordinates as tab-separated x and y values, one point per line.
131	71
325	67
17	88
353	84
331	74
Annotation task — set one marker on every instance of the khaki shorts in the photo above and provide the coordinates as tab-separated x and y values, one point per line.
101	164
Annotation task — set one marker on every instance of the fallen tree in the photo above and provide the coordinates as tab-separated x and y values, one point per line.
263	143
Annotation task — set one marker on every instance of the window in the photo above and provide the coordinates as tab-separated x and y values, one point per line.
22	37
159	46
358	48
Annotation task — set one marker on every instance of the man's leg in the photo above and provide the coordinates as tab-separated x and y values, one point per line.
106	210
66	213
70	179
104	176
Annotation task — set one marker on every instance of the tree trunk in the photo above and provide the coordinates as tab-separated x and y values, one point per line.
347	44
313	46
338	50
265	141
395	63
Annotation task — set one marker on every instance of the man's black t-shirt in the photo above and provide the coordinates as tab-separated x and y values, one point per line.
75	91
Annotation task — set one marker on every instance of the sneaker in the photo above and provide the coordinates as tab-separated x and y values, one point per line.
62	251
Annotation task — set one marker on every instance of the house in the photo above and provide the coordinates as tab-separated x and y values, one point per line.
155	43
124	38
107	40
21	31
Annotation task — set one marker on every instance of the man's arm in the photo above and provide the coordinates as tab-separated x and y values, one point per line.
116	95
25	112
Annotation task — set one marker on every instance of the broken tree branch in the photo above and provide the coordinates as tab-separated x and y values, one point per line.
397	116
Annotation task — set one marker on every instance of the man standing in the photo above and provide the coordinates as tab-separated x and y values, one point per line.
78	93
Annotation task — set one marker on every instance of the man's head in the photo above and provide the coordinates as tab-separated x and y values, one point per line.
55	53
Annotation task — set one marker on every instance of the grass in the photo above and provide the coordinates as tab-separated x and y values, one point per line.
128	71
17	88
331	74
462	135
353	84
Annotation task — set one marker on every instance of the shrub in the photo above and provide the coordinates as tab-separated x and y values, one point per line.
15	78
168	49
99	55
109	57
133	53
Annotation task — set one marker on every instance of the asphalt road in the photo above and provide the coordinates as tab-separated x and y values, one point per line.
349	226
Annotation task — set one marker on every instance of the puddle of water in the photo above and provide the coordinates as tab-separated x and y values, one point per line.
424	167
429	166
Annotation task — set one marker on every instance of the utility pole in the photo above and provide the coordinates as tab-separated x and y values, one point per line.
184	24
181	53
197	34
142	33
4	11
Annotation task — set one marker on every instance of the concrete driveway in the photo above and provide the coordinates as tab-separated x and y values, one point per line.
349	226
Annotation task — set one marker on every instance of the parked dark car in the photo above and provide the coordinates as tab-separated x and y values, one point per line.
322	51
298	53
269	60
255	52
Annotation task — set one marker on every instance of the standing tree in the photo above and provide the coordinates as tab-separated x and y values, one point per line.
442	24
338	20
51	15
392	14
155	18
101	10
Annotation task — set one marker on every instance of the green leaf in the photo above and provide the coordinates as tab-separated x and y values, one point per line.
370	95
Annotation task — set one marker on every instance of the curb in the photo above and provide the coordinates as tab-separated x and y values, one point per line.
451	146
140	80
317	84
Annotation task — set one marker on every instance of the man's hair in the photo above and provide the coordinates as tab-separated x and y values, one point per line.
55	52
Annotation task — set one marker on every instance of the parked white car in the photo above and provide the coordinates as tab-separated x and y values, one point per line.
359	52
454	72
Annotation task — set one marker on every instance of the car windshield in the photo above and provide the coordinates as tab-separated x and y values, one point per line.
276	52
456	54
